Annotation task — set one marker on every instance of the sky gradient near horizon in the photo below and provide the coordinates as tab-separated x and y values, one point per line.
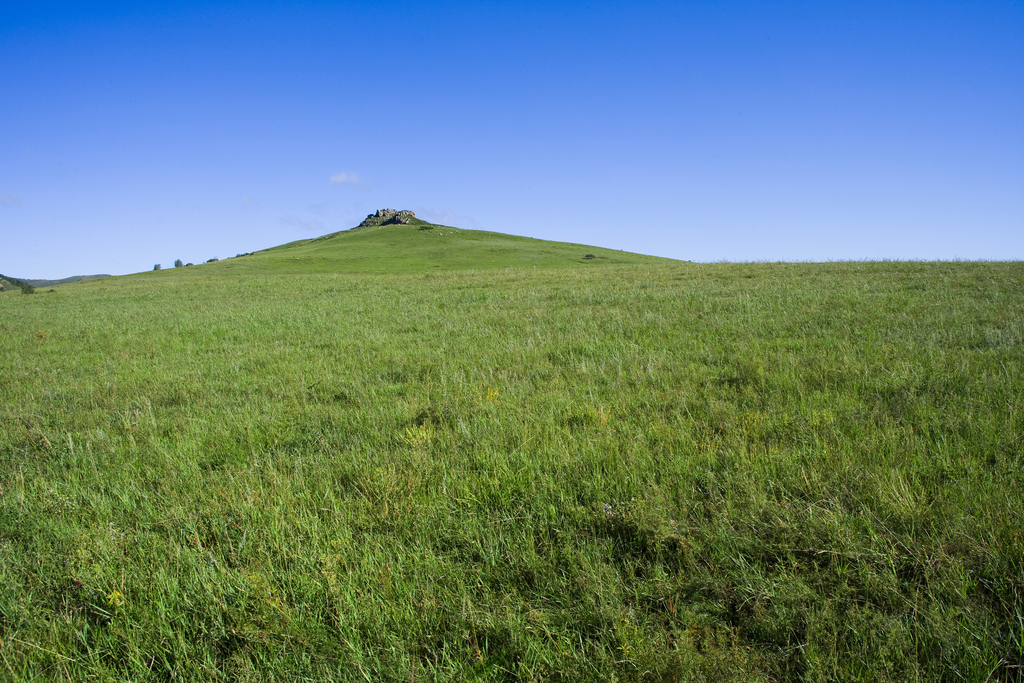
132	135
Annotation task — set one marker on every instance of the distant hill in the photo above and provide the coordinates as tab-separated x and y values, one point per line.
391	241
63	281
8	283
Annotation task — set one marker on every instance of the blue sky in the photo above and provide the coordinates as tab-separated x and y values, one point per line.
702	131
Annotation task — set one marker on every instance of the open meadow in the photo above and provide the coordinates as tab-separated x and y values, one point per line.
616	471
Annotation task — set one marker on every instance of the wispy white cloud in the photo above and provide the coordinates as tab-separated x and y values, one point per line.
10	200
302	224
319	209
342	178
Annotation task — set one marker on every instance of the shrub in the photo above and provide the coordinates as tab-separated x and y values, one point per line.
28	289
213	260
178	263
156	267
589	256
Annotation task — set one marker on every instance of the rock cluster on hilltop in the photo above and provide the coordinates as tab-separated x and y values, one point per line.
387	217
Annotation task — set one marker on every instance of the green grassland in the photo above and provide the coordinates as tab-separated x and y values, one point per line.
625	469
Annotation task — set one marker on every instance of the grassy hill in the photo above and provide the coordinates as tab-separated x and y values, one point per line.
286	466
416	248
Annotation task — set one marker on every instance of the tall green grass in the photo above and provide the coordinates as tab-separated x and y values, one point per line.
646	472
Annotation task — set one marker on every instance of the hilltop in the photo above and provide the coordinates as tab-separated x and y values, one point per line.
389	217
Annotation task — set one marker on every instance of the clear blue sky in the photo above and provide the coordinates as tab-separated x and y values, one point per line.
703	131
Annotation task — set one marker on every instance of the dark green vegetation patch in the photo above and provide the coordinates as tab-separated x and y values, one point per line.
614	471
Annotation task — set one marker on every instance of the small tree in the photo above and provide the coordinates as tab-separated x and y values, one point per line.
28	289
156	267
178	263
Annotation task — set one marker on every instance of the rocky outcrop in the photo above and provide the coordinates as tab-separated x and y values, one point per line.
387	217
